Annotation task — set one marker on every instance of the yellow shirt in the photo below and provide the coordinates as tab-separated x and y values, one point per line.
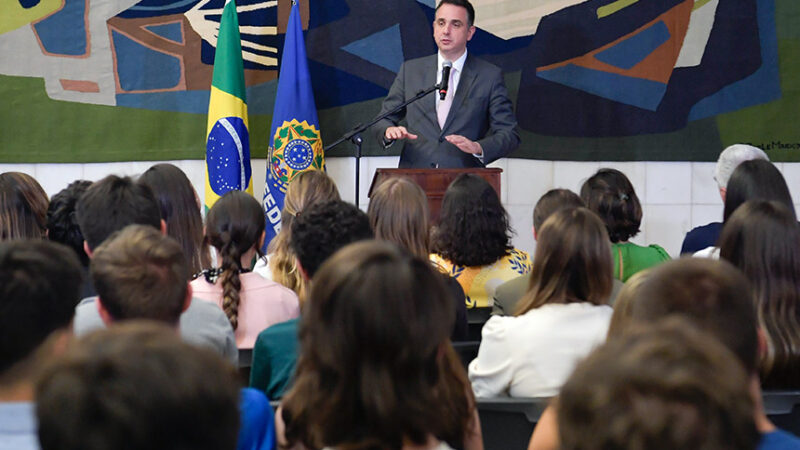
479	282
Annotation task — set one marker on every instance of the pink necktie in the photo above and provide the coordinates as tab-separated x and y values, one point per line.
444	105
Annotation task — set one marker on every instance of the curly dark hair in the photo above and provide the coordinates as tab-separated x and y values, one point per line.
62	223
609	194
319	231
473	226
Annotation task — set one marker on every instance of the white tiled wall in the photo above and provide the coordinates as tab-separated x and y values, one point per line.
676	196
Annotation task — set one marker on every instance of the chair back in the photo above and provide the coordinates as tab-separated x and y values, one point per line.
507	423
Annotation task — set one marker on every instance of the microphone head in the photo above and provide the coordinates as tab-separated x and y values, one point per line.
447	64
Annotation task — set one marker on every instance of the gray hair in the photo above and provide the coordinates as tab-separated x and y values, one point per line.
731	157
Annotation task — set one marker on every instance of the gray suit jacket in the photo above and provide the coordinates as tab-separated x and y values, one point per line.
481	111
508	294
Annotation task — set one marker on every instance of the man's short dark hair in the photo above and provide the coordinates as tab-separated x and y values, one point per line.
113	203
141	274
62	222
668	386
464	4
324	228
552	201
712	294
137	386
39	289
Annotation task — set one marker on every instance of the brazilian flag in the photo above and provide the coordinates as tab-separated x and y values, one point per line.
295	144
227	140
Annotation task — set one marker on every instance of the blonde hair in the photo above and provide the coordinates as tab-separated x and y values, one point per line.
305	189
572	262
623	306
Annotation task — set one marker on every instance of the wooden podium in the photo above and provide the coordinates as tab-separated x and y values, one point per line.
435	182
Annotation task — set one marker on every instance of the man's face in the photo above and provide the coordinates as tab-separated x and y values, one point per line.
451	30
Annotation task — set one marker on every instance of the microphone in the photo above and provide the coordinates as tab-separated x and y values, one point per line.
446	66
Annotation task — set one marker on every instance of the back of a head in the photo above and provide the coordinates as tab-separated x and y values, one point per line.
712	294
761	238
611	196
371	368
731	157
39	289
473	227
669	387
623	305
137	386
62	223
756	179
323	229
23	207
552	201
234	226
398	212
141	274
572	261
180	209
113	203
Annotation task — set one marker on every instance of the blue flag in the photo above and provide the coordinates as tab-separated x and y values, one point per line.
295	144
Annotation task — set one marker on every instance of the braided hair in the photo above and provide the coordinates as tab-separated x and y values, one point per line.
234	226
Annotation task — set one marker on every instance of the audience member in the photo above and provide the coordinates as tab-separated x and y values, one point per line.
110	205
670	387
473	240
376	368
62	227
23	207
610	195
180	209
706	235
235	228
398	213
621	318
762	239
318	233
39	287
560	319
305	189
508	294
138	387
142	274
756	179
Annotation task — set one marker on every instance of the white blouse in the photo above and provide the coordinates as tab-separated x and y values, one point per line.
532	355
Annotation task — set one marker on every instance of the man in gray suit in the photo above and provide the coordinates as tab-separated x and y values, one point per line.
473	124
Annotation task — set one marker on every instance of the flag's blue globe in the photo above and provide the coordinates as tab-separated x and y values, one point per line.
298	154
228	156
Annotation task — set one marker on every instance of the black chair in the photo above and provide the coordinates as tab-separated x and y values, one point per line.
476	317
783	409
245	363
507	423
467	351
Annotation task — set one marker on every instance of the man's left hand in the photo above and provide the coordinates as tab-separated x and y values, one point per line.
464	144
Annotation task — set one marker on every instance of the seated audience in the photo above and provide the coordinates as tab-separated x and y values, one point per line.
62	227
39	287
317	234
398	213
306	189
610	195
706	235
473	240
138	387
180	209
23	207
762	239
670	387
756	179
235	228
111	204
141	274
508	294
376	368
561	318
715	297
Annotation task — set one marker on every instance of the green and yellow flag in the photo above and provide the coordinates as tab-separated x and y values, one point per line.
227	140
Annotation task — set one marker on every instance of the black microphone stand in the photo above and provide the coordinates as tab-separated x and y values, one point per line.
354	135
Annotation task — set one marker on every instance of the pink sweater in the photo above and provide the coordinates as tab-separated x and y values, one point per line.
262	303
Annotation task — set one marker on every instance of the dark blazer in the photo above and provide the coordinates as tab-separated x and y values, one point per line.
481	111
